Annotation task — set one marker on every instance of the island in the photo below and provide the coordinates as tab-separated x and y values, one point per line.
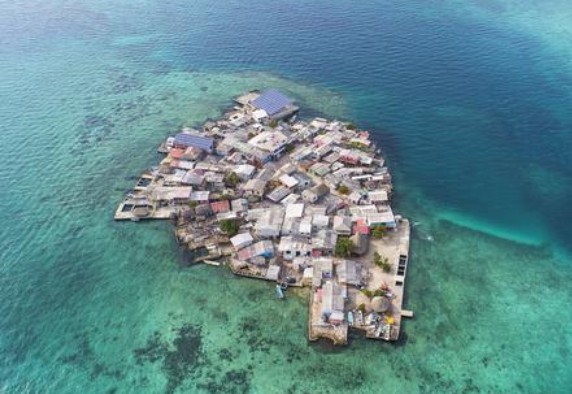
300	203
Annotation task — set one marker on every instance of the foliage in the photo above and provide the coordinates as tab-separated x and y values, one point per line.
378	232
358	145
250	135
368	293
344	247
385	266
343	189
351	126
193	204
289	148
378	293
232	179
381	262
273	123
225	197
230	227
361	307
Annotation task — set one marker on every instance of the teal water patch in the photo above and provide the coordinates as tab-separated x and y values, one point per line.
471	116
516	235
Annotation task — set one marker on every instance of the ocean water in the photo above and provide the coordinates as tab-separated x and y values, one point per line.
469	100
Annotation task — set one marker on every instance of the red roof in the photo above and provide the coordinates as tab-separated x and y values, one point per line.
177	153
220	206
361	227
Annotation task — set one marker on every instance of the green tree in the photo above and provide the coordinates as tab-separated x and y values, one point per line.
351	126
378	293
382	262
378	232
361	307
344	247
343	189
273	123
230	227
368	293
385	266
231	179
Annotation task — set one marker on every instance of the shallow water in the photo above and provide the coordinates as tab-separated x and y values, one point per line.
468	101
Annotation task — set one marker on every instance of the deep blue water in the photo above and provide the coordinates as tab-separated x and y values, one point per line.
469	100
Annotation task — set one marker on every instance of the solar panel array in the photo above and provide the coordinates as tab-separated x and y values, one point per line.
194	141
271	101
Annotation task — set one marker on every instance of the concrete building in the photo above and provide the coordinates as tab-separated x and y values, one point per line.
342	225
315	193
240	241
292	246
349	272
254	187
273	142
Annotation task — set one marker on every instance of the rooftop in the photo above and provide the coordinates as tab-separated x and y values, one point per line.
271	101
269	141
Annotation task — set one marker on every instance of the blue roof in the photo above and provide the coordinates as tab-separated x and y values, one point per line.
271	101
195	141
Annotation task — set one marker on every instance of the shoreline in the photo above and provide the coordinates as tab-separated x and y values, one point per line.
297	203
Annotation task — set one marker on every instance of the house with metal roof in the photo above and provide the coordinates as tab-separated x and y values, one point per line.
323	269
349	272
292	246
324	242
254	187
315	193
294	210
332	299
220	206
270	224
278	194
261	248
342	225
288	181
240	241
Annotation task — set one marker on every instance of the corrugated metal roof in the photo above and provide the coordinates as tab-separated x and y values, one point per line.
271	101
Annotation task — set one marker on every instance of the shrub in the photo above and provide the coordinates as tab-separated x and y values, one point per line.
378	293
351	126
344	247
367	293
378	232
230	227
381	262
385	266
361	307
231	179
343	189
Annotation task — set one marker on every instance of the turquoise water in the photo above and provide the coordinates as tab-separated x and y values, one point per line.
469	100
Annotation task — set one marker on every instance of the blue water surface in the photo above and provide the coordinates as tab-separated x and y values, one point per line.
469	100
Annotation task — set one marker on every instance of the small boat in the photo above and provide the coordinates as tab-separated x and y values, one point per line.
284	286
210	262
279	292
350	318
